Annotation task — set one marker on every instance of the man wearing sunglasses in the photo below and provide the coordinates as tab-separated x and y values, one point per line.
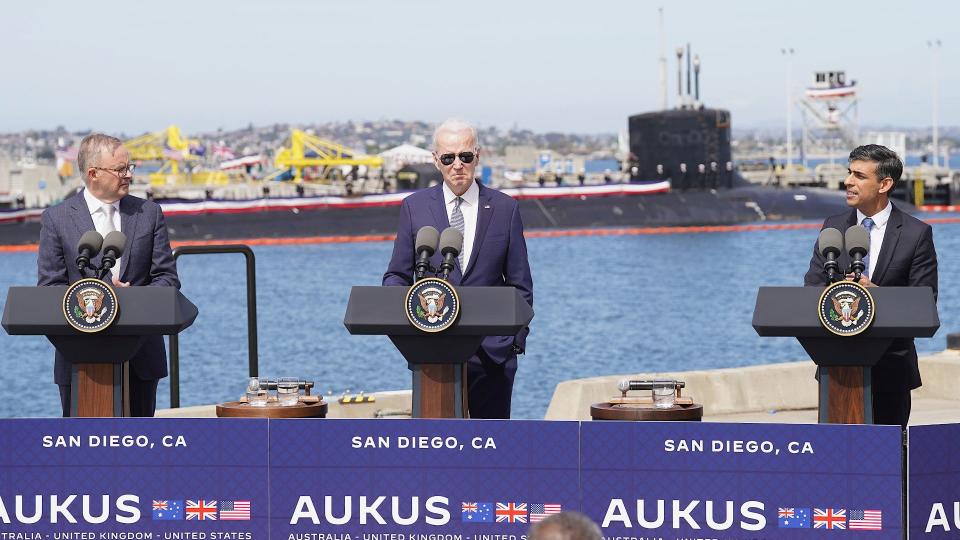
105	205
494	254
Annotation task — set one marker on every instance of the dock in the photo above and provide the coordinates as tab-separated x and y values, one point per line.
784	393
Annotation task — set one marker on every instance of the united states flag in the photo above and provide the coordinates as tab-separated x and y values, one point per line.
829	518
511	512
235	510
202	510
865	520
540	512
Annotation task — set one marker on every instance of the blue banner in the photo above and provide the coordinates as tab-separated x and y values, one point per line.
698	480
934	481
130	479
419	480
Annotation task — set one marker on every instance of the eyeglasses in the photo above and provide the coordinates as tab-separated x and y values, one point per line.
465	157
122	171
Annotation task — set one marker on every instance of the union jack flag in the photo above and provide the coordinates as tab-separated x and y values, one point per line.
511	512
201	510
159	505
829	518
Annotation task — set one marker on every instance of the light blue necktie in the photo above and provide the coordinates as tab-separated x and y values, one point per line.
868	225
456	220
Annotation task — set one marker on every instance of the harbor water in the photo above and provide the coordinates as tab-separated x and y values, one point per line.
604	305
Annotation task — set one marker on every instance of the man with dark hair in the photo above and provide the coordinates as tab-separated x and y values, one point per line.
105	205
565	526
901	255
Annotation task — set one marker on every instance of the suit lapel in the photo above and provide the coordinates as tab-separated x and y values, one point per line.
439	208
128	226
890	238
81	214
484	214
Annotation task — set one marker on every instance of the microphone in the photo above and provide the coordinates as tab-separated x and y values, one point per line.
426	242
830	245
113	246
88	247
857	239
451	242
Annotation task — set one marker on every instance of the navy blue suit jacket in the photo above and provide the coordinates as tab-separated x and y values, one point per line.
147	261
907	259
499	256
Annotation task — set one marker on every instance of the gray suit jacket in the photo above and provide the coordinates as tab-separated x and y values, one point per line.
147	260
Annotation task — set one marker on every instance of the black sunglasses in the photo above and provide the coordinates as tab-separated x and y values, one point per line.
465	157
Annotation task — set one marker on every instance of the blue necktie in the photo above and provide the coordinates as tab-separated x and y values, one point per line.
456	220
868	225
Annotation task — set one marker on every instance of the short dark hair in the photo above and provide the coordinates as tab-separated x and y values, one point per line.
888	164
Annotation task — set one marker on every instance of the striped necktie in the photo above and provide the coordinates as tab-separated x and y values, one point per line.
456	220
868	225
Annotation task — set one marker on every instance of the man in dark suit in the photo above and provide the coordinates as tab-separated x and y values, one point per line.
105	205
494	254
901	255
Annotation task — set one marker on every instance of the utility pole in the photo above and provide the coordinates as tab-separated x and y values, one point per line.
663	65
788	53
935	47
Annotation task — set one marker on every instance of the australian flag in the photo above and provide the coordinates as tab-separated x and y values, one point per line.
793	518
166	510
476	512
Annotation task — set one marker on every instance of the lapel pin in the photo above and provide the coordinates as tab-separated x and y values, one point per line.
486	206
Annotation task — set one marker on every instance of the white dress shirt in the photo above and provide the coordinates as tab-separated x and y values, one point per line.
469	206
880	220
99	215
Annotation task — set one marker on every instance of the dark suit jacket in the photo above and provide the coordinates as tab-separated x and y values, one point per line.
907	259
499	255
147	261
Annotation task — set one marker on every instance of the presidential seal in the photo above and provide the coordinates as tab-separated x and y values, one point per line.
432	305
846	308
90	305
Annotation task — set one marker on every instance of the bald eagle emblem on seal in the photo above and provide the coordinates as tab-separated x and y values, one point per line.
846	308
90	305
432	305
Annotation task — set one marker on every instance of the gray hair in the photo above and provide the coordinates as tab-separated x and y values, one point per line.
565	526
91	148
456	125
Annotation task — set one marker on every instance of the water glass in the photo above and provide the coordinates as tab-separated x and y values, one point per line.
664	393
288	391
256	393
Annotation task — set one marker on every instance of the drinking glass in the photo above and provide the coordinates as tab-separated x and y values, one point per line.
288	391
256	394
664	393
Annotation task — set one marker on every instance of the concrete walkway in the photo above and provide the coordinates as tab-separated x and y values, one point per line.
777	393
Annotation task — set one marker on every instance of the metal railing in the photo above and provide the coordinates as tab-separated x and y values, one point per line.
251	312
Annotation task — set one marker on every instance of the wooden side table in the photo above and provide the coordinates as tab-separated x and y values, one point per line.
646	412
237	409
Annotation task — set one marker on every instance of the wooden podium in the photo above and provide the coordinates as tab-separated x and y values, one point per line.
845	362
100	367
438	361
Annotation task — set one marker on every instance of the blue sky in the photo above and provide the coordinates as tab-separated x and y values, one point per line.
584	66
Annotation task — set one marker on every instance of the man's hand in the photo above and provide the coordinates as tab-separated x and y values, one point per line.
864	280
118	283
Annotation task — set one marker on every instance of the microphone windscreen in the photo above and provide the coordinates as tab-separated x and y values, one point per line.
857	239
830	241
427	238
90	240
115	241
451	241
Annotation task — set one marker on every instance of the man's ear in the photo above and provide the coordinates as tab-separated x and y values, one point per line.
886	185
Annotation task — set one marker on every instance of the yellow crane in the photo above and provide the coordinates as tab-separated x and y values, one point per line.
171	148
304	150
